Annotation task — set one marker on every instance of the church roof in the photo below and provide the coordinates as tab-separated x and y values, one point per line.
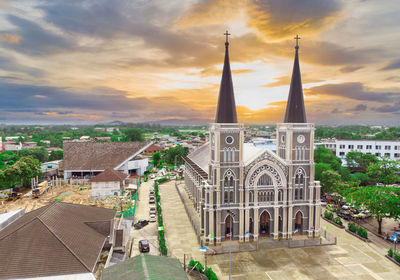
295	110
226	108
199	159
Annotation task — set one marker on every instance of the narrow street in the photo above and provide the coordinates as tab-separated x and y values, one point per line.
148	232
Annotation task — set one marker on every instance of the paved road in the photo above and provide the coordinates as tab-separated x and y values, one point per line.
350	259
148	232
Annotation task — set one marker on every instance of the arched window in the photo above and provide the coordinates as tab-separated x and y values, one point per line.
265	180
229	185
251	196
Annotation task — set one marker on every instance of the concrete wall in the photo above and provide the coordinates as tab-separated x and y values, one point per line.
105	189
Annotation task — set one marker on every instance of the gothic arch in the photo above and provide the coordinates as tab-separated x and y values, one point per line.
269	167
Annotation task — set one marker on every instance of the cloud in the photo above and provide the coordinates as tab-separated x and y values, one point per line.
35	40
350	68
392	65
10	38
359	107
285	81
354	91
284	18
388	108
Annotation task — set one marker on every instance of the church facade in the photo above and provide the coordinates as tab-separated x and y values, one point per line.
248	192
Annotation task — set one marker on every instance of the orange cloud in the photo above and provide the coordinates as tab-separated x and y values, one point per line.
10	38
73	115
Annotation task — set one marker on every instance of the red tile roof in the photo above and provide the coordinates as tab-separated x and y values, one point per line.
109	175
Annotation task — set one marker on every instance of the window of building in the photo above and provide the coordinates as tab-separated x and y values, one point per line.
396	155
341	154
369	147
359	146
378	154
351	147
342	146
387	148
387	154
378	147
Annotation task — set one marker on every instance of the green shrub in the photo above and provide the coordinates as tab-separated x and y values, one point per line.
191	263
390	252
58	199
162	180
199	266
362	232
210	274
164	251
328	215
352	227
397	256
338	221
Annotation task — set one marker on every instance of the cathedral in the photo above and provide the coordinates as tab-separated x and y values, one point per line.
246	192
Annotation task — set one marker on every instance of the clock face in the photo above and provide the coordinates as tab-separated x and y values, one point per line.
301	139
229	140
283	139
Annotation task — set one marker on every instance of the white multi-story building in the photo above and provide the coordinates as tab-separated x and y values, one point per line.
390	148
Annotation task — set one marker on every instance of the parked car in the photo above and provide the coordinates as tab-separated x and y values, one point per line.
151	199
151	192
152	209
152	218
144	246
140	224
152	176
344	214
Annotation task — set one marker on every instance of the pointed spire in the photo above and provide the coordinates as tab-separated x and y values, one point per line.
295	110
226	108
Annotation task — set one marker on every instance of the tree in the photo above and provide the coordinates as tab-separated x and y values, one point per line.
329	181
324	155
134	134
174	155
156	158
362	178
320	168
380	201
384	171
40	154
56	155
358	161
8	158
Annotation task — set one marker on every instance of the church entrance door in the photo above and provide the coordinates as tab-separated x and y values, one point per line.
264	224
298	224
228	226
251	225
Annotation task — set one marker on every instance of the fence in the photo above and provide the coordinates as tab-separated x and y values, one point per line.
194	224
131	211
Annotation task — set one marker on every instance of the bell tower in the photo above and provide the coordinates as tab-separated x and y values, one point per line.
295	144
225	188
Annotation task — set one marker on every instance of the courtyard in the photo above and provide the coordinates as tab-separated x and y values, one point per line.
351	258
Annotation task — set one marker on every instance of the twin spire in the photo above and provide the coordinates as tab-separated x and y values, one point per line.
226	108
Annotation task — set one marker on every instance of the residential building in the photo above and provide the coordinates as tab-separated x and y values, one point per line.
250	192
12	146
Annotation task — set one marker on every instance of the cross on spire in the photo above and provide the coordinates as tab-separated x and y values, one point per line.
227	34
297	38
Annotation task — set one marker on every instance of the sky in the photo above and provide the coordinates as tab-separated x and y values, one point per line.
97	61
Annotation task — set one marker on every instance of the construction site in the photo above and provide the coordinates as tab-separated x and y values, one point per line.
57	191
